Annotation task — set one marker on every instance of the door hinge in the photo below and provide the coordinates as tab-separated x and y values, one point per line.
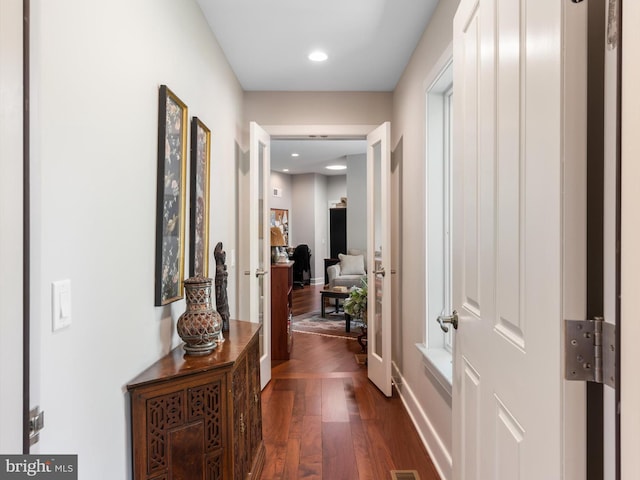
590	351
36	424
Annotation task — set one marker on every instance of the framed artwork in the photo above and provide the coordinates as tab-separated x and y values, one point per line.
199	208
171	195
280	219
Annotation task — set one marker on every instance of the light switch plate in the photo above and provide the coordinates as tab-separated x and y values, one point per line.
60	304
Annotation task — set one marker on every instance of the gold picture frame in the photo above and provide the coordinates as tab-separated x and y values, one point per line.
199	208
171	197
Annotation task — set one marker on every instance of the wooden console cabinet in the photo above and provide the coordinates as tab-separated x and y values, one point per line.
199	417
281	310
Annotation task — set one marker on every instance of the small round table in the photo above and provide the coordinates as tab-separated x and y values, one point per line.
324	294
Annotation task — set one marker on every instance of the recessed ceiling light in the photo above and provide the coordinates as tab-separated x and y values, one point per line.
318	56
295	154
285	169
336	167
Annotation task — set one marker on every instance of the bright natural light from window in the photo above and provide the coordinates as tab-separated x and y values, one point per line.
318	56
437	345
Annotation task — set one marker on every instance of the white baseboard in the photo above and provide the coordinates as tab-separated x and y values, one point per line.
438	452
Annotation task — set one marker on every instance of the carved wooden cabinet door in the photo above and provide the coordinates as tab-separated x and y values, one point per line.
241	453
184	425
255	407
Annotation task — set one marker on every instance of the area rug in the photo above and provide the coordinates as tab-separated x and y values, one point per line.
332	326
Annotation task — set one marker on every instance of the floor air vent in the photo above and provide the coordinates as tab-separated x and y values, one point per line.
404	475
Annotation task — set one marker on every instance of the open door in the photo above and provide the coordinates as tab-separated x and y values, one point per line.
379	257
519	219
630	240
603	429
259	244
12	421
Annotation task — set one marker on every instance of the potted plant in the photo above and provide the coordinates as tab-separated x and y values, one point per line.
356	304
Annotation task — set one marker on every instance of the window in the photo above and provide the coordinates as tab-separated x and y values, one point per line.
437	345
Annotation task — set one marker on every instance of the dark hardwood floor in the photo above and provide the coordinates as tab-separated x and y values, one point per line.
323	418
306	299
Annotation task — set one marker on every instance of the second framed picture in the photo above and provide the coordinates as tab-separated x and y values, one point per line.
199	209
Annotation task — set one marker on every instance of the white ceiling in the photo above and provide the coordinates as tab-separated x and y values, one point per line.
369	43
314	155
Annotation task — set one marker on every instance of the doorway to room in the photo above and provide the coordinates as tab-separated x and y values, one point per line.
312	179
378	233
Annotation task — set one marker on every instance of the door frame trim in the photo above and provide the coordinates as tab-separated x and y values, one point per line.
618	260
596	39
26	231
293	131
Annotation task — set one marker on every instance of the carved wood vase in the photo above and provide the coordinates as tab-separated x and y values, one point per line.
200	324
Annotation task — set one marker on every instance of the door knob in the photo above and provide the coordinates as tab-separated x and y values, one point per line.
260	272
451	319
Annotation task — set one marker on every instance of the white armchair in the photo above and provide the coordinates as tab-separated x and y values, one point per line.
349	272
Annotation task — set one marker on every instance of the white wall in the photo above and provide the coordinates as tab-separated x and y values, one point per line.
336	188
11	226
357	203
321	247
283	182
317	108
427	403
97	67
303	222
308	219
302	210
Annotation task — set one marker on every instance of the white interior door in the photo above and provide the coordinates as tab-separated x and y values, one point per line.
11	222
259	248
610	49
379	257
518	237
630	241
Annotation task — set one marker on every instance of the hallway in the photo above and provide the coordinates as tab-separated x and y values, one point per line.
323	419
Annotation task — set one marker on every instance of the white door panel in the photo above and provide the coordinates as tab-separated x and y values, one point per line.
259	244
11	221
469	398
509	437
609	239
630	239
379	258
508	232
